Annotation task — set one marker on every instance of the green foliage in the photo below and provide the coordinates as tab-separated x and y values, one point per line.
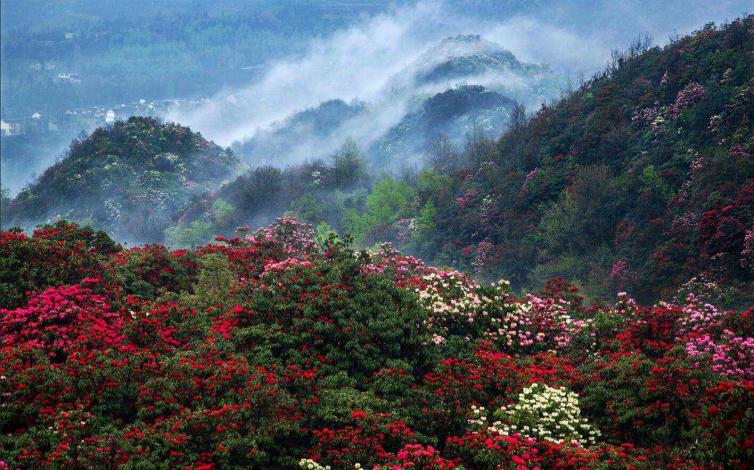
214	280
196	233
222	211
324	233
387	201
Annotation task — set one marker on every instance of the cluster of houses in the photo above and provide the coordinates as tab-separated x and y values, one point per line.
87	118
36	123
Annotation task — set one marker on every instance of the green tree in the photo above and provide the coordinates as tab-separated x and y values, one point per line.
188	237
388	200
349	165
222	211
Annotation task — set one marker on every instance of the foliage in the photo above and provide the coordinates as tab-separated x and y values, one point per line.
274	349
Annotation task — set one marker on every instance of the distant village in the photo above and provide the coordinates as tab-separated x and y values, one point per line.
78	119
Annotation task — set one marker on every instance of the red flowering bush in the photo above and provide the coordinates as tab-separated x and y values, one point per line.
62	253
60	320
272	351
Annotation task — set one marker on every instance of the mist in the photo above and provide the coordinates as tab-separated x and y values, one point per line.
373	62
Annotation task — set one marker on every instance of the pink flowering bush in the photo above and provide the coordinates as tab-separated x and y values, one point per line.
689	96
729	355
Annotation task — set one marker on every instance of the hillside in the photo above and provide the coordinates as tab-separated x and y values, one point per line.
130	179
274	349
453	114
642	180
274	146
639	181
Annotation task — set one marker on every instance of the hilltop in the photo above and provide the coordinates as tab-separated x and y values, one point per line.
129	178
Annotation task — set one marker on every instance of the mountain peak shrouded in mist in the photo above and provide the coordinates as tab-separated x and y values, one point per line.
450	82
463	56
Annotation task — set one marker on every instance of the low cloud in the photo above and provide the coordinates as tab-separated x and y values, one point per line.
363	61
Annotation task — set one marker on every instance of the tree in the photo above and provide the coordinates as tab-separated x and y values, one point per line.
349	165
188	237
441	154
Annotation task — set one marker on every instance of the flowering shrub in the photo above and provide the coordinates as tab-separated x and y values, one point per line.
690	95
61	319
541	324
274	351
546	413
452	301
62	253
731	355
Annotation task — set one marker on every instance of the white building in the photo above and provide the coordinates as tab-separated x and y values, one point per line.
5	128
110	116
10	127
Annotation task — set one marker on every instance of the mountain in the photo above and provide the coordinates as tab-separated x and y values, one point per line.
469	59
128	178
461	84
454	113
317	123
641	180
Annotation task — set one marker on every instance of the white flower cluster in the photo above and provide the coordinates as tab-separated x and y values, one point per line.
546	413
479	417
449	296
310	464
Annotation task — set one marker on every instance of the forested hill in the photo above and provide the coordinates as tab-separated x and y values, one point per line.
130	178
640	180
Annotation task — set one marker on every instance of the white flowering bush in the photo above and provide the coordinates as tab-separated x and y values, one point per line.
310	464
545	413
452	301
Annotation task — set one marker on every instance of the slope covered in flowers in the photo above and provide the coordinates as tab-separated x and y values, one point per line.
276	349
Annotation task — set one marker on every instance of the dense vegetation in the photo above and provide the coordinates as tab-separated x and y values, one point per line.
642	180
638	181
277	349
129	178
